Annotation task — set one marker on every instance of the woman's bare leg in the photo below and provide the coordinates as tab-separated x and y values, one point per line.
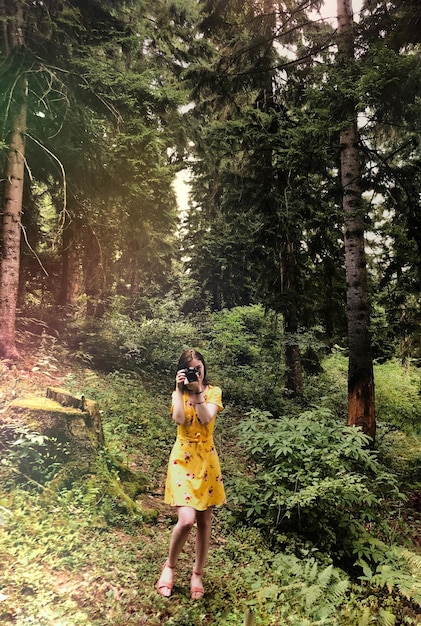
186	519
204	529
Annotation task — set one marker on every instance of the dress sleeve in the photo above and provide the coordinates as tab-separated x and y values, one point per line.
214	395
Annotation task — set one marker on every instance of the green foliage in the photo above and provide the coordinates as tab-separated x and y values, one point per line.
101	100
401	452
245	350
330	388
35	455
395	568
384	340
398	399
136	416
242	346
149	345
82	558
313	475
314	591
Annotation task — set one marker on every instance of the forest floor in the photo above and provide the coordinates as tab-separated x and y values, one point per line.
79	559
63	564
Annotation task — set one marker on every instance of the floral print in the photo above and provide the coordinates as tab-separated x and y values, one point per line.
194	473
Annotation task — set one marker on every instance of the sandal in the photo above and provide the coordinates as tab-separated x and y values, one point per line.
161	585
194	590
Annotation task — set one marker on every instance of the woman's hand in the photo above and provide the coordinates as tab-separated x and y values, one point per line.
195	387
180	379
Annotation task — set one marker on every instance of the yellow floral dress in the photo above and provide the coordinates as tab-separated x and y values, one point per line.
194	472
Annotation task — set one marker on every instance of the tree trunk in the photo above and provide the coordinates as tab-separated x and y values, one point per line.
293	364
13	189
74	441
287	259
11	226
361	406
70	269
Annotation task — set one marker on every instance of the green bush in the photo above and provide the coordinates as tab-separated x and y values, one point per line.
245	351
398	390
151	346
398	399
312	475
33	456
330	387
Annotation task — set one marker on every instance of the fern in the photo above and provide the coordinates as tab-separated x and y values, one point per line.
387	618
311	595
325	577
312	589
413	560
365	617
400	569
338	590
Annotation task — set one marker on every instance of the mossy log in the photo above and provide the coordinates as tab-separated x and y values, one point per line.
89	409
75	439
74	423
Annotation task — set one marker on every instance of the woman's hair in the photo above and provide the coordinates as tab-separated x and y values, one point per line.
189	355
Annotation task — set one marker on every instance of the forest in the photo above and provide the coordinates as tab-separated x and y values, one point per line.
242	177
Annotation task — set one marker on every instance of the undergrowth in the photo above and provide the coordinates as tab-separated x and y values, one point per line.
77	557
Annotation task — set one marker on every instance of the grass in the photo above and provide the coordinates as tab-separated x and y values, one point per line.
78	558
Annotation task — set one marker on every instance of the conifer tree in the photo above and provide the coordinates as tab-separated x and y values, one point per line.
361	406
390	88
101	120
12	45
254	192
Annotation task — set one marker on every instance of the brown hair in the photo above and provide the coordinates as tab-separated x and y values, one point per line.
189	355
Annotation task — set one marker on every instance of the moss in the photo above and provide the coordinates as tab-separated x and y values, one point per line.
67	476
132	483
102	479
126	485
91	467
29	407
36	403
150	516
110	485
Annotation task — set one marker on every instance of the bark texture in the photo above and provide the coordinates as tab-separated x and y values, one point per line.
13	191
361	403
11	230
71	271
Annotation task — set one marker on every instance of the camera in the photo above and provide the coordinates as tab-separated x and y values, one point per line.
191	374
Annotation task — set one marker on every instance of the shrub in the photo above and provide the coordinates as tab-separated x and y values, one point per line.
330	388
151	346
33	456
246	354
398	400
314	476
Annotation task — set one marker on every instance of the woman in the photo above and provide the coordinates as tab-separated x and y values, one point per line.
194	482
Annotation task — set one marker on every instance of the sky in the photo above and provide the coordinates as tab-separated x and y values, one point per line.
329	8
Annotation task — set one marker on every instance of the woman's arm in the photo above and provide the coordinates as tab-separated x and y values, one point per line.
178	413
205	411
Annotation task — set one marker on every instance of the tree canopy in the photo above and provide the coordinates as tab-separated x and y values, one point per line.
251	98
